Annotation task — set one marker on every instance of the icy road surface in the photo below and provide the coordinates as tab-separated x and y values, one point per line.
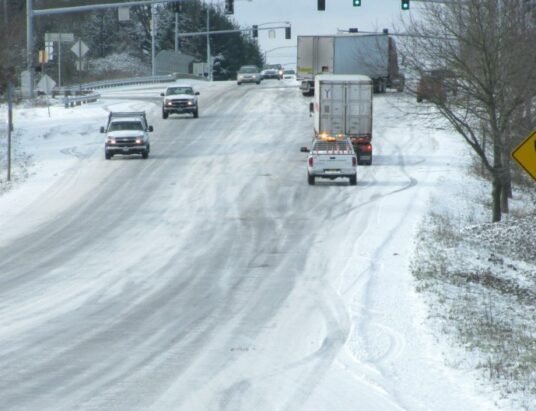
212	277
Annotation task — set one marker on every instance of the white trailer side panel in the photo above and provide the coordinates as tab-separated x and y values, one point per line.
304	63
324	54
362	54
315	55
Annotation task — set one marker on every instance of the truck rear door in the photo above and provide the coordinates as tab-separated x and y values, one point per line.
359	109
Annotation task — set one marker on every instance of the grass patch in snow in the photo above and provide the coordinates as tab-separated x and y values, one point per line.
479	280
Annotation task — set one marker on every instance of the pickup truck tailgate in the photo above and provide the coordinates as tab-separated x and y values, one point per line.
332	163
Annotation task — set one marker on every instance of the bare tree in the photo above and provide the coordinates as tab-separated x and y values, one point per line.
485	52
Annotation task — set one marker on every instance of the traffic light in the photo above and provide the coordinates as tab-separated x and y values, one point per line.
405	5
287	33
255	31
321	5
229	7
356	3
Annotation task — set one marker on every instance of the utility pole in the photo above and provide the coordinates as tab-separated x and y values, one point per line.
9	126
153	36
29	45
176	29
209	63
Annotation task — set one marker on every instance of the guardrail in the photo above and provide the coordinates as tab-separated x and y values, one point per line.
128	81
71	101
115	83
74	95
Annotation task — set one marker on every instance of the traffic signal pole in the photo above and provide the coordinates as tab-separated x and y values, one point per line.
249	29
30	13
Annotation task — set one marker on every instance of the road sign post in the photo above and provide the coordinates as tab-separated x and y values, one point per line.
525	155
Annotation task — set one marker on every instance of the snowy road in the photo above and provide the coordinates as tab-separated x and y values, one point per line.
212	277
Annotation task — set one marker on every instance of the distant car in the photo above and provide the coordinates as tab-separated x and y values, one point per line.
180	99
289	74
248	74
277	67
435	85
270	73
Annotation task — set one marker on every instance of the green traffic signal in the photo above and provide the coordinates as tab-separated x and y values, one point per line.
357	3
405	5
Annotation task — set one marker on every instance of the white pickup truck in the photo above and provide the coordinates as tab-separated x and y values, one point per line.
331	158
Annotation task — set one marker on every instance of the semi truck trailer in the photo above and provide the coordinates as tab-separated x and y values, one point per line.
342	108
372	55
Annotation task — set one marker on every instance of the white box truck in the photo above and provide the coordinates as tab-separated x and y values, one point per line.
342	108
372	55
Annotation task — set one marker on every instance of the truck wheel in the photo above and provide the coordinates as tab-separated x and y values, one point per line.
311	179
196	113
353	180
164	115
107	155
145	154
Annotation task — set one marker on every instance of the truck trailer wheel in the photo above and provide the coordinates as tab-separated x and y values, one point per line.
311	179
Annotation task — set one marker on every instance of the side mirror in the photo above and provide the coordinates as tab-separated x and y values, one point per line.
161	94
304	150
197	93
102	129
151	129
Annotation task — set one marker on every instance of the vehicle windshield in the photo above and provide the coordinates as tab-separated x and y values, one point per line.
179	90
248	70
125	125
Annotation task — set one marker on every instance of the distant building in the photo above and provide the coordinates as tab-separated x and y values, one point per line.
170	61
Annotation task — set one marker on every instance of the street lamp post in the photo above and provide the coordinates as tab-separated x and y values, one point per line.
277	48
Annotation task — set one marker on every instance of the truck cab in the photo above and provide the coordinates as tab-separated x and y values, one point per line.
180	99
126	133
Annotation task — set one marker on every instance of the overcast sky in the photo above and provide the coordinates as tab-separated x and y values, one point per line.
305	19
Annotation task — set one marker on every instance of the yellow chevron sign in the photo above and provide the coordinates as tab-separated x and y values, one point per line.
525	154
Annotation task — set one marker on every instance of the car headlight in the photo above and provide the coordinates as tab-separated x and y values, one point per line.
168	103
139	140
111	140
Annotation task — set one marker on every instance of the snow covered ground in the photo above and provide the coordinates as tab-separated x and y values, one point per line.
469	275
